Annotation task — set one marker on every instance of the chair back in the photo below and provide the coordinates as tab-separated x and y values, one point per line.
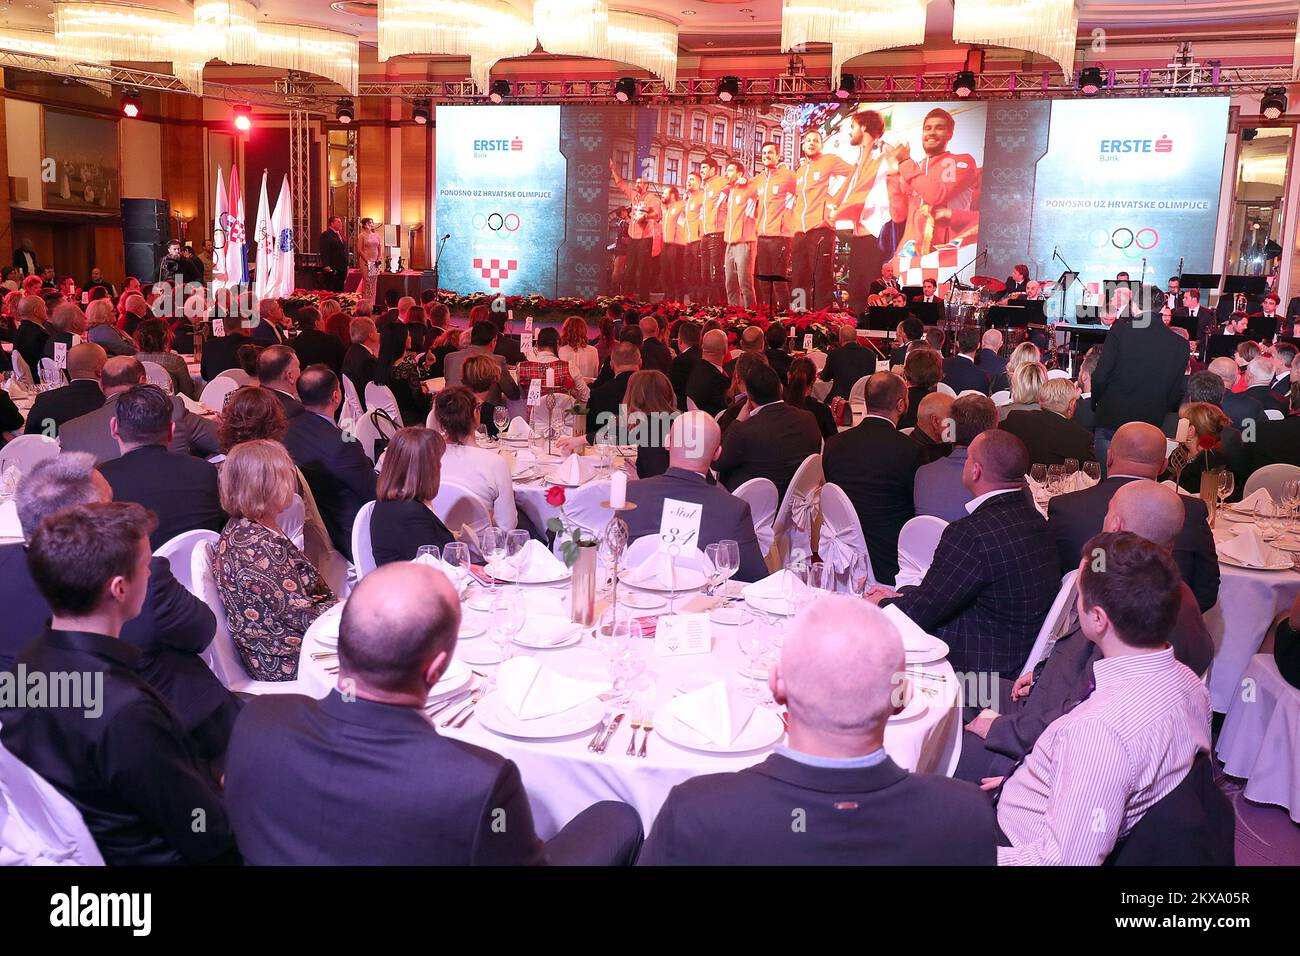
291	521
363	555
1001	398
858	393
216	392
38	825
179	552
1192	825
458	508
916	543
943	388
23	371
1271	478
50	372
583	506
793	525
763	500
381	396
352	408
969	391
1057	617
842	540
375	428
155	374
25	451
908	430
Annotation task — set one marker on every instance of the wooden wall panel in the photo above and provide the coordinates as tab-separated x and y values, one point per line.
415	154
6	220
183	172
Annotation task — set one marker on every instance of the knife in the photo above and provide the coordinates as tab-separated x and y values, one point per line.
609	733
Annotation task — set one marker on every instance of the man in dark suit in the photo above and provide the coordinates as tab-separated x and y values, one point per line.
122	759
359	360
173	627
191	434
688	356
221	353
366	779
992	745
838	680
1048	432
1238	406
933	430
876	464
994	576
769	438
482	341
31	335
82	394
1190	316
334	256
708	383
1083	415
1276	442
315	346
777	355
1139	377
341	477
271	324
960	373
1284	356
1137	453
25	258
912	332
989	358
604	406
180	489
752	340
1259	385
506	344
654	353
278	371
846	364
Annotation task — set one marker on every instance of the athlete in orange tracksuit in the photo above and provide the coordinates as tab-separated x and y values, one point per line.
672	253
813	246
692	213
773	191
712	223
740	238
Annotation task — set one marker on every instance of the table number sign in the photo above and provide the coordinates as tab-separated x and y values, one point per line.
534	392
218	328
808	342
679	527
679	634
61	354
526	344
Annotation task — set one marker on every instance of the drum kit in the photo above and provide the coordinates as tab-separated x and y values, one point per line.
971	300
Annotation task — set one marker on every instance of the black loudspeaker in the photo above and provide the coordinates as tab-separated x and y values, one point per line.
144	235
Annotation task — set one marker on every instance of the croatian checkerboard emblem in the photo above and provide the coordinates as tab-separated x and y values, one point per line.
495	271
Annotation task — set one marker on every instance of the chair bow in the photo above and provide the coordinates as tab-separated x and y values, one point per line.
805	508
837	547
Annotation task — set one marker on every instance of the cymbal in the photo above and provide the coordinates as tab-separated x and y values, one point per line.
988	283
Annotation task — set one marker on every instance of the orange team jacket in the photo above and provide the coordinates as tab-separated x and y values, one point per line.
740	214
675	223
694	213
813	180
775	191
715	204
871	196
943	180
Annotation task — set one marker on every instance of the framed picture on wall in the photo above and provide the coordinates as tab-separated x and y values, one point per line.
80	167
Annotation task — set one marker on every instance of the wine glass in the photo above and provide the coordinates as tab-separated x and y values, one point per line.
754	643
1038	473
501	418
510	616
860	574
1290	497
456	553
492	543
1227	482
1071	466
427	552
1093	470
728	558
516	556
714	569
1055	475
481	436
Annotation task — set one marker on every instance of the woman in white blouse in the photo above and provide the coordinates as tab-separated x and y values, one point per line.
583	359
483	472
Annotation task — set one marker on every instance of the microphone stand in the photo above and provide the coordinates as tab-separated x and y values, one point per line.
437	256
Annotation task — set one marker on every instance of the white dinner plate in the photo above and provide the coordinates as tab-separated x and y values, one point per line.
470	629
457	677
640	601
480	652
731	616
562	575
1230	515
496	717
764	729
552	479
688	579
931	651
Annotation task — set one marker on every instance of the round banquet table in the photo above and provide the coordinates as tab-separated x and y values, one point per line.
563	777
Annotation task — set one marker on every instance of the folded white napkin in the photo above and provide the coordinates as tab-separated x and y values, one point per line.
771	588
16	389
715	710
661	570
1075	482
573	471
535	563
518	429
1248	548
914	639
547	629
532	690
1257	499
10	526
457	576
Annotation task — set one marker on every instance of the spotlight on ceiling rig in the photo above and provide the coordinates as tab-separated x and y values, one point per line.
498	91
728	88
344	112
243	117
420	112
130	106
963	85
1273	103
848	83
1091	80
625	89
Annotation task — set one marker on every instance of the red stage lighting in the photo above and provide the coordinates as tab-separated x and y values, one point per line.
243	117
130	106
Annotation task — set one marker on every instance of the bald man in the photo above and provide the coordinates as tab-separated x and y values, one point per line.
82	394
993	577
995	742
831	795
933	431
694	444
708	381
363	778
1137	452
654	353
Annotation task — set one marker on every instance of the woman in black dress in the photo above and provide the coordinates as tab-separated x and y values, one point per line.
403	518
799	382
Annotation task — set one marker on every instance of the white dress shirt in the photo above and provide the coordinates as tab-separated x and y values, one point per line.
976	502
487	475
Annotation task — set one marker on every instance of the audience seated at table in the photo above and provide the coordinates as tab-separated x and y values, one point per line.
66	320
251	413
443	345
483	340
1027	380
655	353
651	409
938	488
1212	444
481	471
314	344
922	370
360	358
993	744
777	354
154	340
960	371
403	520
1083	411
753	341
30	333
102	330
336	468
707	383
800	376
688	356
994	572
221	352
933	431
769	439
838	677
126	764
1021	354
1095	771
366	779
278	372
736	398
876	465
1278	442
1259	385
1137	453
53	409
179	489
846	364
693	446
1240	408
583	359
605	412
1049	434
989	358
270	591
400	369
92	432
547	367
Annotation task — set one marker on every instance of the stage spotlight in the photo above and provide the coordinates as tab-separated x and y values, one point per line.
625	89
964	84
848	83
1249	134
420	112
344	112
1273	104
243	117
1090	81
499	90
130	106
728	88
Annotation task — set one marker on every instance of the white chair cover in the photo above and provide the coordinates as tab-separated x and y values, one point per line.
858	393
23	371
51	374
793	526
763	500
1001	398
646	545
372	426
1260	740
1271	478
179	552
1057	373
916	543
583	506
214	394
291	521
381	396
352	410
908	430
155	374
969	391
841	538
363	555
28	450
459	507
1057	616
943	388
38	825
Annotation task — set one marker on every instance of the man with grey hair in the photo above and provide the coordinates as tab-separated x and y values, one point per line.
847	364
990	357
173	627
31	335
708	382
1238	406
362	777
1259	385
938	489
995	741
361	357
654	353
830	795
1284	362
932	430
1047	431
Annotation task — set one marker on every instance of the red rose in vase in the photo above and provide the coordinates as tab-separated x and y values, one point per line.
555	496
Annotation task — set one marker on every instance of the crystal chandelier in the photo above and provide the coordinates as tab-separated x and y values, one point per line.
573	27
852	27
1046	27
647	42
484	30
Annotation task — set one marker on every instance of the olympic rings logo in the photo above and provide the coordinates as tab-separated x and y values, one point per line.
1132	244
496	222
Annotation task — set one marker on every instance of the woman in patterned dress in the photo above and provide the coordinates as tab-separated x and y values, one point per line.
369	251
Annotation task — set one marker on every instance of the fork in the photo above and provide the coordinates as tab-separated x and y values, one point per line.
604	722
465	711
647	725
636	725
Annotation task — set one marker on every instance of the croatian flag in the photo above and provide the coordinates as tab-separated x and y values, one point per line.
913	270
236	241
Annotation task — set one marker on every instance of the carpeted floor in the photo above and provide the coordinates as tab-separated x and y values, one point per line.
1266	835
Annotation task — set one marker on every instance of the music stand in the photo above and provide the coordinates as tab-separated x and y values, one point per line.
1246	285
1200	280
884	318
771	290
1008	316
928	312
1219	346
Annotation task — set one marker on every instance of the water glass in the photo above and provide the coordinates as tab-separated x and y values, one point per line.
754	643
427	551
1038	473
515	555
492	542
1227	482
1071	466
714	570
860	574
501	418
728	557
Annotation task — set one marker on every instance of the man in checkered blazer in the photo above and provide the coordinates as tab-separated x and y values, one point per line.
994	574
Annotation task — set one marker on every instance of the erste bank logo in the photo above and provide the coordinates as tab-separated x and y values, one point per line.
487	148
1113	150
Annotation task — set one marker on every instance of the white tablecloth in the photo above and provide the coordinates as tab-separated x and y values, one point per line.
1260	740
1248	603
563	778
